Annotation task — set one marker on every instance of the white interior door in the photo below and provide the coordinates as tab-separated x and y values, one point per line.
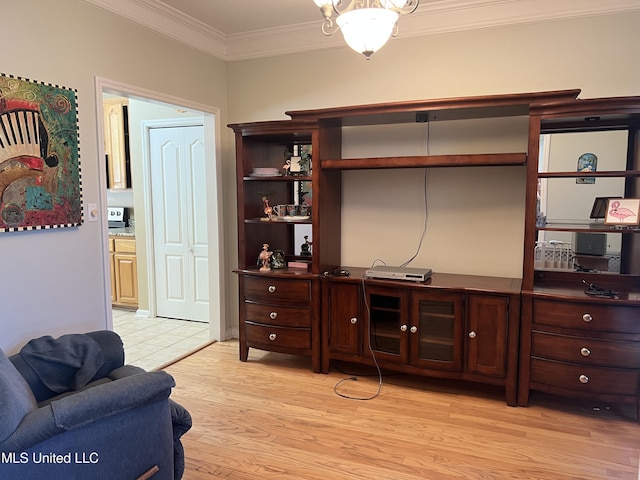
178	193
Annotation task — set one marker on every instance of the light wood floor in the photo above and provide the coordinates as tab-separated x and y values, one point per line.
272	418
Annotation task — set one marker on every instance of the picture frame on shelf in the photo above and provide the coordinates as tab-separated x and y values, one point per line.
599	208
622	211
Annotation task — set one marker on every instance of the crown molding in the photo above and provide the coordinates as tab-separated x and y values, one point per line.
169	22
432	17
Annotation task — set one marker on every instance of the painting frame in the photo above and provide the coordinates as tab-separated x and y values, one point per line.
40	175
623	212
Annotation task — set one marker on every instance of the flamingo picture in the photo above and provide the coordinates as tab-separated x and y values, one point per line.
621	213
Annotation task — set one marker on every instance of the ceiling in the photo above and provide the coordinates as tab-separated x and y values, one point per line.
245	29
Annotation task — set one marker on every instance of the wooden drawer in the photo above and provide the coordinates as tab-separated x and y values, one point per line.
277	338
278	315
587	351
125	245
587	316
611	381
112	247
277	290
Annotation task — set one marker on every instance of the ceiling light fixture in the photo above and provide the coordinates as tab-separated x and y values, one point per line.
365	24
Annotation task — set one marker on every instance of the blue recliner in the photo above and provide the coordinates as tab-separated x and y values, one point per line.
70	409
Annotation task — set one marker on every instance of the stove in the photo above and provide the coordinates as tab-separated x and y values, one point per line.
117	217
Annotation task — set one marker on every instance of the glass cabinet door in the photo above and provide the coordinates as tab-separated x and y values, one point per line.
388	324
436	331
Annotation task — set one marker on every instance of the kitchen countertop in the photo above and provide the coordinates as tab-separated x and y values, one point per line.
122	232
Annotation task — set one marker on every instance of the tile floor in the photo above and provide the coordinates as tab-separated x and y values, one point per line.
152	343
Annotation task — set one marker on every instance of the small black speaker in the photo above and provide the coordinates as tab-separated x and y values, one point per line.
591	243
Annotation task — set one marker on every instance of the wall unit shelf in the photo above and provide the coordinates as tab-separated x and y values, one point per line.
490	159
574	344
482	329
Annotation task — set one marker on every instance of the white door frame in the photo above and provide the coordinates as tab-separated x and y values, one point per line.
212	136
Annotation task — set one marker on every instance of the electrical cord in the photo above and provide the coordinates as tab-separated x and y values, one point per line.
373	356
364	294
424	226
594	291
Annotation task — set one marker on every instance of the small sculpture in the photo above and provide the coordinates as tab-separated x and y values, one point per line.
305	249
264	258
278	260
268	210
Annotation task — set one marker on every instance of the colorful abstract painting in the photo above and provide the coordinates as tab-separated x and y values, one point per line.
39	156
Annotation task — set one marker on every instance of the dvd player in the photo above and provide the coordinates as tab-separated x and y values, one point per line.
399	273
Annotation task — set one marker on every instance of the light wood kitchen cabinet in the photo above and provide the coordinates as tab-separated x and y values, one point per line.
116	146
124	272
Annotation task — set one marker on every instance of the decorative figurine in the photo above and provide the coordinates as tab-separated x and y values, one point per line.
305	249
278	260
264	258
268	210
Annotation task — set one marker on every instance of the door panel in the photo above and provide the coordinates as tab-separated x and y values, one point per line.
487	335
345	324
436	334
179	222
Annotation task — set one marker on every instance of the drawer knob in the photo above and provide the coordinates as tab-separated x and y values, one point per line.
403	328
272	336
587	317
583	379
413	329
585	352
353	321
272	288
472	334
273	315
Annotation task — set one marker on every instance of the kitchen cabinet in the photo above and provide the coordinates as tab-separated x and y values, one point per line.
116	142
124	272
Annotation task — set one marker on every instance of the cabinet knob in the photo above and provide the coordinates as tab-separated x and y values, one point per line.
403	328
583	379
587	317
273	315
272	288
585	352
472	334
272	336
353	321
413	329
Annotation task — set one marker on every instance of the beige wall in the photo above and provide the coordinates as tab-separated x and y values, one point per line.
54	281
475	215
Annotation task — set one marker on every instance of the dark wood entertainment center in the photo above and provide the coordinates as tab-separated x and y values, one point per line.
540	332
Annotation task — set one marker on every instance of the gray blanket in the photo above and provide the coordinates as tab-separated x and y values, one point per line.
65	363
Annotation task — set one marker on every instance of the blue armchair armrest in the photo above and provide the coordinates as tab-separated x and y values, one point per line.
88	406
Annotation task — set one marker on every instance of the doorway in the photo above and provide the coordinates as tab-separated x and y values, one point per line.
211	261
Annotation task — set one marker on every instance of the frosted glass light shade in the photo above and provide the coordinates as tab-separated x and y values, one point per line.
367	29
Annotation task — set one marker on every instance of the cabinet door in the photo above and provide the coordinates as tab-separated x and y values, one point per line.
436	330
126	279
387	328
112	265
487	334
115	142
345	322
